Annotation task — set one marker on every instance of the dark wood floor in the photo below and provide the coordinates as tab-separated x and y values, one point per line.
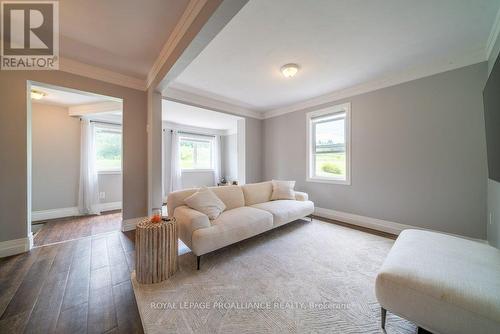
79	286
64	229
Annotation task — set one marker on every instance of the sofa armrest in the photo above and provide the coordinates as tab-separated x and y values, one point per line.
300	196
188	221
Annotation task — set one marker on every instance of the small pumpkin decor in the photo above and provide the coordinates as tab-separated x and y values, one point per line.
156	216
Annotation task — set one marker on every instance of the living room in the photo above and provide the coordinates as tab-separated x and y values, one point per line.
283	167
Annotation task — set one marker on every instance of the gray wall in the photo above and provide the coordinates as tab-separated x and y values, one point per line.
55	158
493	225
229	163
253	149
111	185
14	147
56	161
418	154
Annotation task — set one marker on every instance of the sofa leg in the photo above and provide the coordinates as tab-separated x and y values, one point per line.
198	258
383	315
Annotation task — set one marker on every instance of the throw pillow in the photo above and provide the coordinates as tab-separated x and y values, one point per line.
283	190
205	201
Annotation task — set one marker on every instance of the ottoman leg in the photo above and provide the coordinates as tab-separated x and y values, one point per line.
198	262
383	314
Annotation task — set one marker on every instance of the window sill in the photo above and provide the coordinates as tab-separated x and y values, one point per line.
330	181
109	172
197	170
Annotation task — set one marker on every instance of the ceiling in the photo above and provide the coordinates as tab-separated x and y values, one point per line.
88	32
71	98
67	98
184	114
338	44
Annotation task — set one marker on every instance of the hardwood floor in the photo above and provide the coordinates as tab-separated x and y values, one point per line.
64	229
79	286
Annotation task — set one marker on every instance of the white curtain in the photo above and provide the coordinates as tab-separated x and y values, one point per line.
217	160
88	194
175	163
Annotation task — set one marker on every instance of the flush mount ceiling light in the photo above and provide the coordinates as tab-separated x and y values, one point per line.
289	70
37	95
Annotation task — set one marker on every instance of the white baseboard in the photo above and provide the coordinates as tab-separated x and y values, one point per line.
378	224
54	213
110	206
16	246
70	212
130	224
368	222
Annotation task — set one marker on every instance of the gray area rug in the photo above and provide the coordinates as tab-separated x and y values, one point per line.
304	277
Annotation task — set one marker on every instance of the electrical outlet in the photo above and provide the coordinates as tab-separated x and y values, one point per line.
491	218
102	195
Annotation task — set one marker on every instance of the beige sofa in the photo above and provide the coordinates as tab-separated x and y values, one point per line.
249	211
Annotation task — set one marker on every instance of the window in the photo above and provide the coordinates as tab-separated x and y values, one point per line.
108	147
328	146
196	153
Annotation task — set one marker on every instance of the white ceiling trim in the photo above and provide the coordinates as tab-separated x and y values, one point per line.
383	82
101	74
216	102
192	10
492	38
192	99
95	108
75	67
167	125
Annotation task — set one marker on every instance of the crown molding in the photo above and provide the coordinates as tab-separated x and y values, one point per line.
192	10
492	38
383	82
101	74
209	95
168	125
95	108
75	67
215	102
181	96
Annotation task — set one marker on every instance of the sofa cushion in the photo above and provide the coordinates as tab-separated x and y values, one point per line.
230	227
231	196
443	283
285	211
283	190
205	201
257	192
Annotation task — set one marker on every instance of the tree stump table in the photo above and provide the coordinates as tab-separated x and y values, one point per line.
156	249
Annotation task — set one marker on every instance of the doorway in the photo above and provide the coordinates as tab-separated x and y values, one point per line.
201	147
75	163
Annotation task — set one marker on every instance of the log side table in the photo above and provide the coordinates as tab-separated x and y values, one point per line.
156	249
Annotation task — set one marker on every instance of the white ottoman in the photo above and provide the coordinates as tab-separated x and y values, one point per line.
442	283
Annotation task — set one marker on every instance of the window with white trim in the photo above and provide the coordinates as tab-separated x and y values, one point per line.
196	152
108	148
328	145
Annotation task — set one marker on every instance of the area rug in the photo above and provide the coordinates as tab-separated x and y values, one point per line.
304	277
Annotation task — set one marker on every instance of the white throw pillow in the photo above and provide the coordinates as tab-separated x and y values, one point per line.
283	190
205	201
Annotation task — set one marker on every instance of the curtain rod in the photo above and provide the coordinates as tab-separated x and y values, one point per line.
101	122
192	133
